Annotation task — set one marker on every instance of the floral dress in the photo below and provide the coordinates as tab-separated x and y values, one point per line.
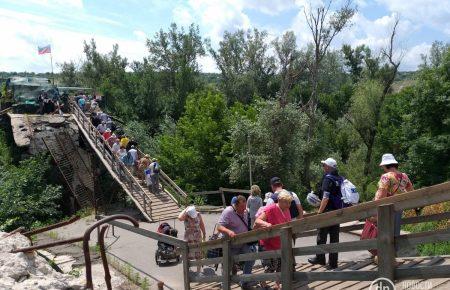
193	234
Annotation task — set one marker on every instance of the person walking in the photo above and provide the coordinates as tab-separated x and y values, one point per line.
275	214
194	231
392	182
331	200
154	175
232	222
254	202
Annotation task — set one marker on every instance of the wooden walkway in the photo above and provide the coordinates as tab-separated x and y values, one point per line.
155	207
363	265
350	274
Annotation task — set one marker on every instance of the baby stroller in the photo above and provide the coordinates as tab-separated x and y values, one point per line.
167	252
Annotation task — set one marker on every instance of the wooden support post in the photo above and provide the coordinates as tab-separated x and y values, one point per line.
223	197
287	258
385	240
187	282
226	265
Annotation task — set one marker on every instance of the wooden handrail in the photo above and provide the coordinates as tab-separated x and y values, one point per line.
417	198
111	158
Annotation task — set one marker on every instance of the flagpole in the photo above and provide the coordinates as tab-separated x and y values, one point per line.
51	61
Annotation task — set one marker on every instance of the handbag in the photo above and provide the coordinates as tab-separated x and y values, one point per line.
251	244
370	231
217	252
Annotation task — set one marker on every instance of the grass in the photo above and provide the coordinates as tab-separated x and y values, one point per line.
128	271
431	249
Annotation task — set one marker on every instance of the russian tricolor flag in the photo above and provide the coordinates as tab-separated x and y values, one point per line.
44	49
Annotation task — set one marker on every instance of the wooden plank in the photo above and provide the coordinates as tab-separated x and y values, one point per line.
421	197
423	238
386	244
426	218
424	272
256	256
336	247
256	277
203	262
336	276
226	265
206	192
224	204
287	258
149	234
185	259
234	190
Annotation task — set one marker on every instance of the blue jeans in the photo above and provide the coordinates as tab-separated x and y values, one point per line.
244	249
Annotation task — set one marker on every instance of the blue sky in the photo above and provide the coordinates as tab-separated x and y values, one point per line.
65	24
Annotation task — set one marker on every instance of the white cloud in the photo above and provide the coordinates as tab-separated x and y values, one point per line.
412	58
271	7
208	64
140	35
434	13
181	15
19	52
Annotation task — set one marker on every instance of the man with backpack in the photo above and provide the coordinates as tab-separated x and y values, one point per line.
154	175
331	200
296	209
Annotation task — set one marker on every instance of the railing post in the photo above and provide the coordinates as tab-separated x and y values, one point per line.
187	284
226	264
223	197
287	258
385	241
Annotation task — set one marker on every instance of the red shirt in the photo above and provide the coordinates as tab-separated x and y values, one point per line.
106	135
275	216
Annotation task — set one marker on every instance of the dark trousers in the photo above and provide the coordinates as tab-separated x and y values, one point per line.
322	235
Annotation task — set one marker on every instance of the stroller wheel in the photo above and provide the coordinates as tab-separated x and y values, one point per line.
156	259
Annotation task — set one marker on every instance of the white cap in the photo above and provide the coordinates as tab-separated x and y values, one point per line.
388	158
267	196
191	211
330	162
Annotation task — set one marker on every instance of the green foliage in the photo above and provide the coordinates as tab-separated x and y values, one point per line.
277	145
25	196
193	154
69	75
246	66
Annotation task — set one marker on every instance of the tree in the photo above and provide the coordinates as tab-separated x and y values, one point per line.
386	76
194	155
277	139
324	28
69	74
246	67
290	63
25	196
174	54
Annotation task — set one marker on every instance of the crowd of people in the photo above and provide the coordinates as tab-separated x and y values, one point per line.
281	206
120	144
52	103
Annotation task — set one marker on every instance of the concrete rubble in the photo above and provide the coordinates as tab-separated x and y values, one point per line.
30	271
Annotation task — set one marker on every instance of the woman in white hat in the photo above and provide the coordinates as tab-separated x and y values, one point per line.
392	182
194	230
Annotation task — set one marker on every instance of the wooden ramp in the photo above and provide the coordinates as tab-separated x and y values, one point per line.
155	207
363	265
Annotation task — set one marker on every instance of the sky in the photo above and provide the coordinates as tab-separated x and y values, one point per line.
65	24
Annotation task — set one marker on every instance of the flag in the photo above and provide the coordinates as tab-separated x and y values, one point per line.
44	49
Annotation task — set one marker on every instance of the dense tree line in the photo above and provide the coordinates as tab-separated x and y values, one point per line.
282	106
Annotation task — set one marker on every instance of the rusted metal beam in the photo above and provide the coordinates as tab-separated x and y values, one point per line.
49	245
86	238
51	227
101	242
